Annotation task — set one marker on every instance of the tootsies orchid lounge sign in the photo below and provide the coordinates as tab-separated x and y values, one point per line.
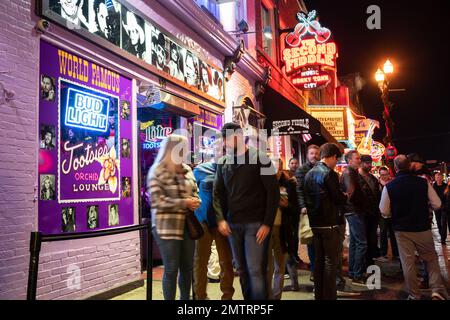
85	161
309	55
117	27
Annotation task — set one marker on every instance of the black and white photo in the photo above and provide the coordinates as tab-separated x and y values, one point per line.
133	35
74	12
176	62
113	215
191	69
107	20
47	191
68	219
92	217
47	88
159	51
205	77
48	137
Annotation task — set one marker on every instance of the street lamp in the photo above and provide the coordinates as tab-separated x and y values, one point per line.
383	77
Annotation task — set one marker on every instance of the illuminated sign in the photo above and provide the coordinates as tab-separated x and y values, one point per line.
334	119
311	79
86	111
377	151
292	126
154	134
308	53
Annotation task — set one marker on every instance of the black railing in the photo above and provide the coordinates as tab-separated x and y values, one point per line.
38	237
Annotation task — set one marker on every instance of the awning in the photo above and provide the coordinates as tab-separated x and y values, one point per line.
290	119
286	117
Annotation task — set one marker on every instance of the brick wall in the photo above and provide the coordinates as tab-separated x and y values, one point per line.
102	262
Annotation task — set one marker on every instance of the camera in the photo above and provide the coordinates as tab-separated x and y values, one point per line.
42	25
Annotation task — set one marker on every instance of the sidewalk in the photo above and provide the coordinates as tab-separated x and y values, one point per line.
392	287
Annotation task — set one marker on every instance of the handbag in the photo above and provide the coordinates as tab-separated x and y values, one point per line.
305	231
195	229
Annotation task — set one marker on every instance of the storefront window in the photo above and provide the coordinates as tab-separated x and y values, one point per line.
268	25
210	5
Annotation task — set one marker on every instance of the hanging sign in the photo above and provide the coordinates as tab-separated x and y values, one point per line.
85	160
309	55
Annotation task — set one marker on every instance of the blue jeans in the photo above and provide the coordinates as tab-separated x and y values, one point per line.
311	256
358	246
251	259
177	255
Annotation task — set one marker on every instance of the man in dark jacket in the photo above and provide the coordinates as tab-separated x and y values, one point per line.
204	175
441	215
355	210
323	198
372	192
246	199
312	157
406	200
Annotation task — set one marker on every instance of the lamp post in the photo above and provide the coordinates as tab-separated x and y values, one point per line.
383	79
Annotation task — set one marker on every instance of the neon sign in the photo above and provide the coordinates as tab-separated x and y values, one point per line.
86	111
154	134
311	79
309	53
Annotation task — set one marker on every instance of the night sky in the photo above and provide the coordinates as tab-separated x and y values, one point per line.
415	38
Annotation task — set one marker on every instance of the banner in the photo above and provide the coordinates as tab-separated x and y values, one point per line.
85	160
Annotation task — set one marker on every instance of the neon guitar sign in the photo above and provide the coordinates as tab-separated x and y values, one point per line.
309	49
307	25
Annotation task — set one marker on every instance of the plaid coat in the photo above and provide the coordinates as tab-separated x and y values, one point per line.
167	192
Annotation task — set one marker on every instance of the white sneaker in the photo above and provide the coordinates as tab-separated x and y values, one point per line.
437	296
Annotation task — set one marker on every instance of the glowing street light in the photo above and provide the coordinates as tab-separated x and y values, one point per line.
388	67
379	76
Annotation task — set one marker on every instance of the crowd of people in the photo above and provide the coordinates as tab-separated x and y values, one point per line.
251	210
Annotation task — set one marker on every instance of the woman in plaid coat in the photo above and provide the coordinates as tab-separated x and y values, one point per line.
173	191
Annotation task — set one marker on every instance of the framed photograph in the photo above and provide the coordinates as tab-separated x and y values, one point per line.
48	88
113	215
160	51
48	137
47	191
126	187
125	148
92	217
68	219
125	110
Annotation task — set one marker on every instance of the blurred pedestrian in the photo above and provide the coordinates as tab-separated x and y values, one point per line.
173	190
406	200
205	174
246	198
282	243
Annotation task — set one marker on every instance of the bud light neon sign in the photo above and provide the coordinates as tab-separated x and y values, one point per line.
87	111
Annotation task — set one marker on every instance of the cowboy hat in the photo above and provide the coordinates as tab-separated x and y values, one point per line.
133	24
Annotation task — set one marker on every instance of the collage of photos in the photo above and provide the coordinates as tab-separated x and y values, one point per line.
114	22
68	214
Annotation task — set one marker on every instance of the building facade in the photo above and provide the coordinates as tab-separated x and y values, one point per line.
85	101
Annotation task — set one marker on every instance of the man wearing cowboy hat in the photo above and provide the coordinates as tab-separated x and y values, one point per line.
135	44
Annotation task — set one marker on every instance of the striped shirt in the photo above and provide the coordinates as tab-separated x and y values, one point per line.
168	191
